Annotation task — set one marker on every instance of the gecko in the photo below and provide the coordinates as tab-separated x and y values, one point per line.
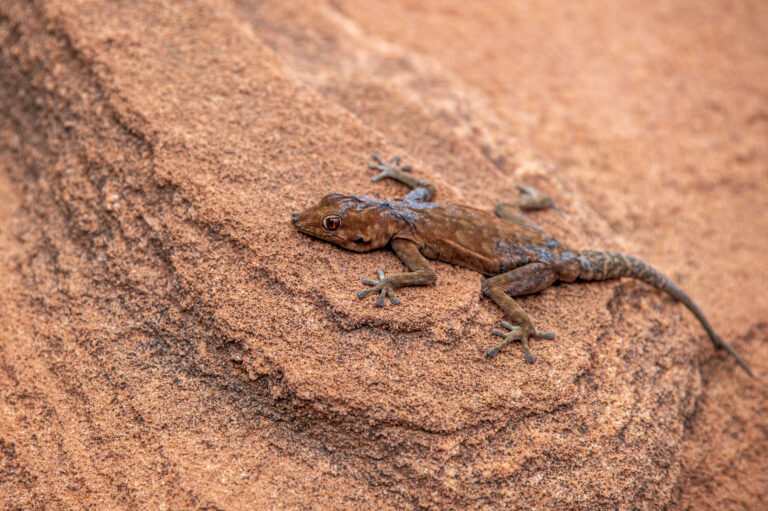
516	257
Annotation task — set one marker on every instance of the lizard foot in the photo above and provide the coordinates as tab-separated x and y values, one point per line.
531	199
384	285
387	169
517	333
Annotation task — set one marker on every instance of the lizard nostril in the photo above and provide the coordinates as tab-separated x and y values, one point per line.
294	217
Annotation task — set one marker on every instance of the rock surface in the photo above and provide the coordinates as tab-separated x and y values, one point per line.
170	342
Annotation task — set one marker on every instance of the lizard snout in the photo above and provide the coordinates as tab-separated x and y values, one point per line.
298	220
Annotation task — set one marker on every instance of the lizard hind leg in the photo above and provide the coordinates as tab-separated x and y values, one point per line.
531	199
527	279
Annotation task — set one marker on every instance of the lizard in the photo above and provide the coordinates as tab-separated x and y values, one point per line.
516	257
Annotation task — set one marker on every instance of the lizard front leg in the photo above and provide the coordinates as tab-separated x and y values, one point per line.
421	273
524	280
421	191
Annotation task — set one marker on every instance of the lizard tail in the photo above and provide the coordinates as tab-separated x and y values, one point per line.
599	265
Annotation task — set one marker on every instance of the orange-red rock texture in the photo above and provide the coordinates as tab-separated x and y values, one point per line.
169	341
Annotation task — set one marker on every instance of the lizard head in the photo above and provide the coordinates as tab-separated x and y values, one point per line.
352	222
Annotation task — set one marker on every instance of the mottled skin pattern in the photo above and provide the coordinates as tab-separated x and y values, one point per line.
516	256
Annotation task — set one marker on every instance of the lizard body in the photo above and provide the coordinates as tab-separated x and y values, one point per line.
517	257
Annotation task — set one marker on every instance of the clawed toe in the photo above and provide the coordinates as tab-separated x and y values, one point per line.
378	158
516	333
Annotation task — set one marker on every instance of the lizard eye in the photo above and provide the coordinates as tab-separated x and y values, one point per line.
331	222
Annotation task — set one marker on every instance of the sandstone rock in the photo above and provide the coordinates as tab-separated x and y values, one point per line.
170	341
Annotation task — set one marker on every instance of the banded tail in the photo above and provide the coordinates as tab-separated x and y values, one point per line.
598	265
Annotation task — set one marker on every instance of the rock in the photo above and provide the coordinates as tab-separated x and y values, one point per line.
171	341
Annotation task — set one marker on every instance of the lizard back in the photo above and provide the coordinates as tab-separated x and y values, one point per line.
473	238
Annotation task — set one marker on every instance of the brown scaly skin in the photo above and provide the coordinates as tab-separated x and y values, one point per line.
517	257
